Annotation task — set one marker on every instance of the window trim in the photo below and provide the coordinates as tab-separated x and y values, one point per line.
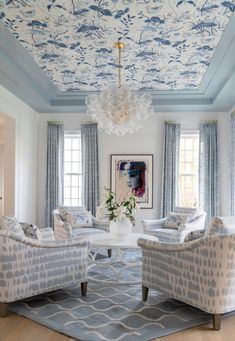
192	133
74	134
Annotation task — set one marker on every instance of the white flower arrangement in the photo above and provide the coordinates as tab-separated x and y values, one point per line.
117	211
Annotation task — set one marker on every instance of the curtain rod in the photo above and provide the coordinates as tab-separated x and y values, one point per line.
55	122
88	122
209	121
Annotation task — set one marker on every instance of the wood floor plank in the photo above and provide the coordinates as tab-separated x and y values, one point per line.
28	330
16	328
7	324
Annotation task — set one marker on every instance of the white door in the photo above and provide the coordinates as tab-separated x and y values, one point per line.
1	179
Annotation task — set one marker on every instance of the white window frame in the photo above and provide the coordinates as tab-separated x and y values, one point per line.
75	133
187	132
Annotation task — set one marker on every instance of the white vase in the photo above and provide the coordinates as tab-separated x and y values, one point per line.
120	228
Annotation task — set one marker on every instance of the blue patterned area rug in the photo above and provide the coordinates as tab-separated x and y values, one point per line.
110	311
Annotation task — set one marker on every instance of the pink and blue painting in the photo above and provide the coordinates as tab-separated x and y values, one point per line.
132	174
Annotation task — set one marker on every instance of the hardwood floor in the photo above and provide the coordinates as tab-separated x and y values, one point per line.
17	328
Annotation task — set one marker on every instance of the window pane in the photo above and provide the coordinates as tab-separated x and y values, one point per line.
74	192
75	156
67	202
188	144
72	170
75	167
67	155
74	202
67	167
80	192
188	170
188	167
76	144
67	181
67	192
74	180
67	143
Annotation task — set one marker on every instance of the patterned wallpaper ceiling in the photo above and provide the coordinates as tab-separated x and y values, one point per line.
169	43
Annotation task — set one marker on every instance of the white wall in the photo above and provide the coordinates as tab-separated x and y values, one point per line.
9	169
26	126
1	130
148	140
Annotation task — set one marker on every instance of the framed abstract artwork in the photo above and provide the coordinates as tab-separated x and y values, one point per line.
133	174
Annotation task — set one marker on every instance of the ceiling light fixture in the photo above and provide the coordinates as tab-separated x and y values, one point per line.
118	110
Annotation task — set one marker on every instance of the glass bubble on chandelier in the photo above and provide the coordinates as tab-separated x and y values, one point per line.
118	110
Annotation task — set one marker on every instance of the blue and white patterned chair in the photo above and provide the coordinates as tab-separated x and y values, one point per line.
66	228
195	221
30	267
200	272
75	221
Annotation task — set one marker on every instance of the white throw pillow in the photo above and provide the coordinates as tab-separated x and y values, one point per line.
76	216
176	220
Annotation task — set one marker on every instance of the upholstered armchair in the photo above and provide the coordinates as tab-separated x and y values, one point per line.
200	273
75	221
30	267
70	222
174	229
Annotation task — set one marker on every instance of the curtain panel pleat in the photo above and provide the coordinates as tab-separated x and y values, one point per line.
90	166
55	169
209	181
170	167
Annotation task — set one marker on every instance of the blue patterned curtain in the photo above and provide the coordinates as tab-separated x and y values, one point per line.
55	169
170	167
90	166
232	165
209	169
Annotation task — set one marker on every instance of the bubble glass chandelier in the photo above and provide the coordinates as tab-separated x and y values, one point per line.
118	110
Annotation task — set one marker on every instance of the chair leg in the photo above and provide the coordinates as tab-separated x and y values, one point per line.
145	291
3	309
110	253
84	288
216	321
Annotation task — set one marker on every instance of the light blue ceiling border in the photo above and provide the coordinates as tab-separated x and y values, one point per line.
23	77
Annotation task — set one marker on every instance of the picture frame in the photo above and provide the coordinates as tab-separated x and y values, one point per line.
132	174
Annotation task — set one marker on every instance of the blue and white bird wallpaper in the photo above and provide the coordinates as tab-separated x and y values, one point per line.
169	44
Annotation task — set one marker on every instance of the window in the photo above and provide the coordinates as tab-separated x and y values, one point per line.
188	186
72	169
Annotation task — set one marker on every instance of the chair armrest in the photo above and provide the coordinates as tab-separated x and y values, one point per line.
200	221
80	241
100	224
160	246
47	234
151	224
189	227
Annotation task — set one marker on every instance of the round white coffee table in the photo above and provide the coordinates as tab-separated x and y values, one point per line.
119	246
